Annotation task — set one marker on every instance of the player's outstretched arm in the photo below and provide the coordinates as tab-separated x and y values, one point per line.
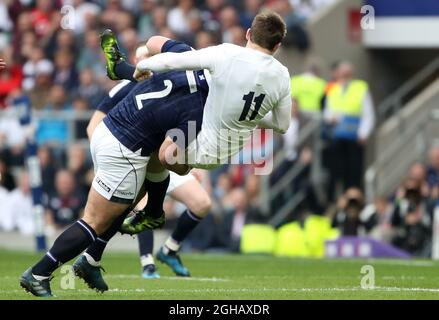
190	60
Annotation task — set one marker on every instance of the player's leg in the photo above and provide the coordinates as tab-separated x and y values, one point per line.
117	67
88	265
98	215
152	216
146	245
119	172
198	204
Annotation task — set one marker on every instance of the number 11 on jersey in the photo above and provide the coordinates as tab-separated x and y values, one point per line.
248	98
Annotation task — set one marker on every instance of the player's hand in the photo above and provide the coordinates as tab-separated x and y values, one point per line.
142	75
2	64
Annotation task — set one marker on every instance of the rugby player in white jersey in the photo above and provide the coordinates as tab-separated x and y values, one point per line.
248	88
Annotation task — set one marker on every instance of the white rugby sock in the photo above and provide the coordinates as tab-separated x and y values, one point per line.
146	260
171	245
92	261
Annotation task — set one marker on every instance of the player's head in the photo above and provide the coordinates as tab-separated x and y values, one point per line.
141	53
268	29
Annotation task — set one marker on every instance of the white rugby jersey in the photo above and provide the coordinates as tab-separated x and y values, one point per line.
248	88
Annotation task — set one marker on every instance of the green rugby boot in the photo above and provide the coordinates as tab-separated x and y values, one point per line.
137	221
112	52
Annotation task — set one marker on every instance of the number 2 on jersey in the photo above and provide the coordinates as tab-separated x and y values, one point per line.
248	98
154	95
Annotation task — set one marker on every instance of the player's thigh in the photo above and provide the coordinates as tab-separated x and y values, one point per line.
99	213
120	172
192	194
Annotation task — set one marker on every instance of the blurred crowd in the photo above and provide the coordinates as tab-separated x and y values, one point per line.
53	57
404	219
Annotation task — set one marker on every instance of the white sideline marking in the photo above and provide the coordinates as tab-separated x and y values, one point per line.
133	276
213	290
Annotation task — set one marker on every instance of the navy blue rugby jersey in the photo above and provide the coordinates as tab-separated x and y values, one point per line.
141	114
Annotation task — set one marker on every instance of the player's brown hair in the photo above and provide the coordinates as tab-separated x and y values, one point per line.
268	29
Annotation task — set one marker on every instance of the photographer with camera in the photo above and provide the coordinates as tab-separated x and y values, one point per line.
347	217
412	219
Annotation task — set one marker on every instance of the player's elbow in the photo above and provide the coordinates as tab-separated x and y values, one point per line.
155	44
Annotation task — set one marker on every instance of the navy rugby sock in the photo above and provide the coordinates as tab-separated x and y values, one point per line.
96	249
124	70
67	246
156	197
146	242
186	223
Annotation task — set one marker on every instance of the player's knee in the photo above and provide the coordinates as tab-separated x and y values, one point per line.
200	206
97	224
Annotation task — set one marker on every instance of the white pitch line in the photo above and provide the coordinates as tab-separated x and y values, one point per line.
133	276
252	290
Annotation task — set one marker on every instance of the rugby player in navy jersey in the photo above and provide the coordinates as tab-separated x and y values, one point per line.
185	189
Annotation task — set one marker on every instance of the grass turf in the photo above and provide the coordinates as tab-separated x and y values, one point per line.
240	277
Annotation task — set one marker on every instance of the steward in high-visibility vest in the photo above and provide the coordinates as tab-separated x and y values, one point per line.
308	90
347	102
258	238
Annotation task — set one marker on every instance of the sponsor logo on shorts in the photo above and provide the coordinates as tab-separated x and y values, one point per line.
103	185
124	193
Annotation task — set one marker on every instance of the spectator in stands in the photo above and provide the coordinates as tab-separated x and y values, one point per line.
65	70
89	88
229	19
79	167
179	16
90	55
204	39
350	114
12	136
129	42
296	34
347	216
251	9
236	204
29	68
308	8
145	23
10	78
376	218
17	210
43	82
6	178
411	219
41	16
85	13
433	168
67	203
54	128
80	105
308	90
48	169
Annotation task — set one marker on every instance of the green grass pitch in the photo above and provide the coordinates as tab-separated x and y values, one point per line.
239	277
